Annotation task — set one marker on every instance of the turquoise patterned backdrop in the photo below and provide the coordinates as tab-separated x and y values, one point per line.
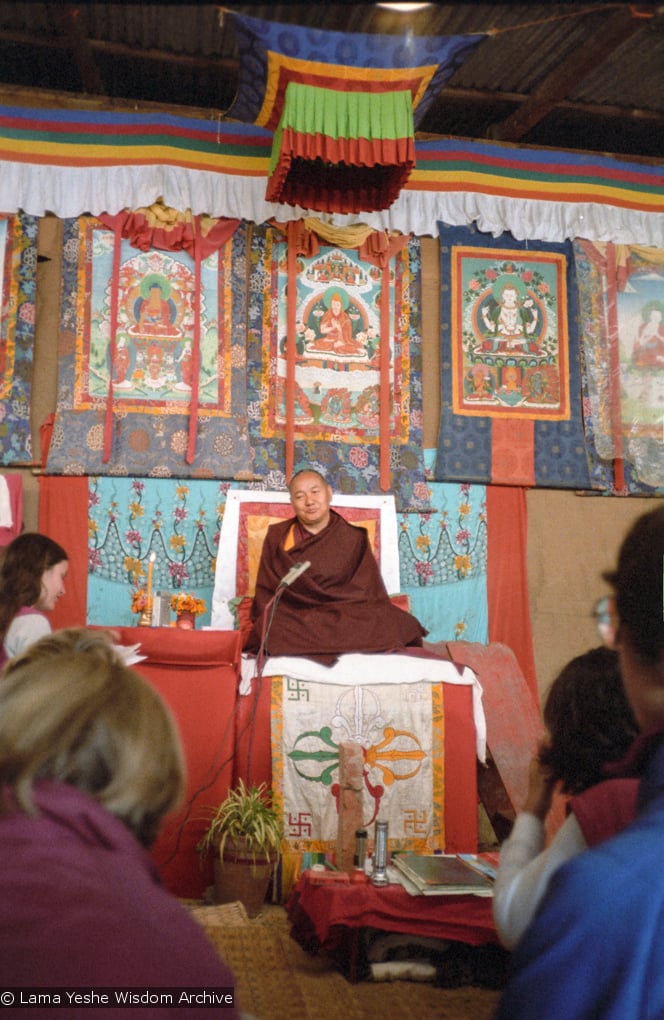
131	518
443	562
443	554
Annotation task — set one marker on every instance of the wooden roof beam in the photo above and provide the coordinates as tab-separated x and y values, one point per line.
487	98
70	24
229	66
577	66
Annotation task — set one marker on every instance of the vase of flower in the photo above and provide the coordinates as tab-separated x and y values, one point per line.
186	608
141	603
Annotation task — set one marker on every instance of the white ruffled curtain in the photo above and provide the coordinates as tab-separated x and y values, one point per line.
73	191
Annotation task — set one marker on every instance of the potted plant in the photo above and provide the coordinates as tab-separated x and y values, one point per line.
244	833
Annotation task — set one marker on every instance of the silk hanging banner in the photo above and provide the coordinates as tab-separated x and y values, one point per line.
511	409
273	54
132	324
621	300
401	728
18	265
340	341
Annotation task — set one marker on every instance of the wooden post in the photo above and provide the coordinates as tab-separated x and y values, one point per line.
351	765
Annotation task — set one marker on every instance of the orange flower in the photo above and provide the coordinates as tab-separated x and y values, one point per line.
186	602
139	600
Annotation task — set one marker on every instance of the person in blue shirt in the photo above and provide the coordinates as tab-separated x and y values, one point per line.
595	948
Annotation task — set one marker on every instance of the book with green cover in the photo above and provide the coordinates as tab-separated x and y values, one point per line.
442	875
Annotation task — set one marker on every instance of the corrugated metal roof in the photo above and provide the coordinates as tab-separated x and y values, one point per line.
566	75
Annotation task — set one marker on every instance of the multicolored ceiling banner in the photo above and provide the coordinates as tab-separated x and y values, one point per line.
18	266
353	381
343	107
621	303
511	411
101	162
151	372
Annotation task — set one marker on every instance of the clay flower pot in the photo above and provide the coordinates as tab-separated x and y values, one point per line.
240	874
244	834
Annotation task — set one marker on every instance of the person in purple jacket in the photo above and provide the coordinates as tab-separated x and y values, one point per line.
595	948
90	762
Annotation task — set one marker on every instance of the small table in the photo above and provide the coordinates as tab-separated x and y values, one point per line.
331	917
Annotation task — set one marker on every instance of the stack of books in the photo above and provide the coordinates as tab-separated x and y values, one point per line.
445	874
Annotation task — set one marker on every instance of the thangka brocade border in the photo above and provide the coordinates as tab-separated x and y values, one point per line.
151	374
336	422
17	335
541	445
623	393
482	354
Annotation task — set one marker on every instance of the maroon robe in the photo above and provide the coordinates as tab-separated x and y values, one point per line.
338	605
605	808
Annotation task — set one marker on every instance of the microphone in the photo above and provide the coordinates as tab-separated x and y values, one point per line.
293	573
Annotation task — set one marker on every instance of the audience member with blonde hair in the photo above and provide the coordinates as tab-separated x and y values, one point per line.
90	762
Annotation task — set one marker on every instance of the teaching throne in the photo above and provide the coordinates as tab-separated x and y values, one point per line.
416	718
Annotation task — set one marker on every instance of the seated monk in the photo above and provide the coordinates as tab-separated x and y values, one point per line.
339	604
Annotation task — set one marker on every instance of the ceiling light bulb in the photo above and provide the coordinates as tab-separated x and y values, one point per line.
403	8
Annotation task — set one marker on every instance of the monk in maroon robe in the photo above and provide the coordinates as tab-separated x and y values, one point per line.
339	604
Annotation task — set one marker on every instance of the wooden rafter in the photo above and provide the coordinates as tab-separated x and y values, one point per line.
557	85
70	24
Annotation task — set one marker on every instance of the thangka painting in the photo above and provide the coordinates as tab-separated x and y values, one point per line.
132	523
511	407
623	380
337	376
152	296
18	265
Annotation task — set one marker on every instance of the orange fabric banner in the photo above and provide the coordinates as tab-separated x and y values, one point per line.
513	450
63	516
507	576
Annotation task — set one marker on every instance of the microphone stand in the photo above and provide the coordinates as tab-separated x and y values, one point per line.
271	608
295	571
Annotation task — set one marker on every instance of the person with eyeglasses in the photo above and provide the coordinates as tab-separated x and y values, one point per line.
594	948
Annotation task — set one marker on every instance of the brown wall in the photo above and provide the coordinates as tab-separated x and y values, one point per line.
571	538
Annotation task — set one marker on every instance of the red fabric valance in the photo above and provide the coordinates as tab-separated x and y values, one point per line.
177	231
363	176
346	152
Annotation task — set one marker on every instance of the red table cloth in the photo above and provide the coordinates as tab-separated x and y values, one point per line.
321	915
196	672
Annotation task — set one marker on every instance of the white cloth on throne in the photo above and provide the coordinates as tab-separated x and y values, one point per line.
359	669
